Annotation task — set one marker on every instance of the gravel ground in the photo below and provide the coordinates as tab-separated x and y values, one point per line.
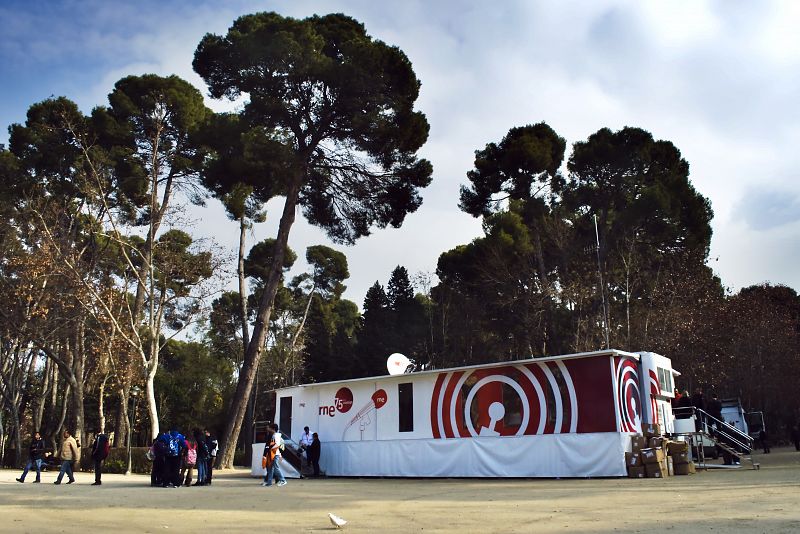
718	501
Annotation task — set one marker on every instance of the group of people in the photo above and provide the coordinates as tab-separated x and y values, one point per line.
175	458
69	455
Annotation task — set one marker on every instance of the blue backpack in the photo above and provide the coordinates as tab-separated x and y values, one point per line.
175	442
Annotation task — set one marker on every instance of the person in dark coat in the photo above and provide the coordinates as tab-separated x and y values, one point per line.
684	406
212	444
202	457
764	439
99	453
699	403
796	436
35	457
158	474
313	453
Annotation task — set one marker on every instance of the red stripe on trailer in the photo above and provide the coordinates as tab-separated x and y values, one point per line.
437	391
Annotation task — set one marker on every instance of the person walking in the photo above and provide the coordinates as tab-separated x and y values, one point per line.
100	449
272	455
70	454
212	444
313	453
35	457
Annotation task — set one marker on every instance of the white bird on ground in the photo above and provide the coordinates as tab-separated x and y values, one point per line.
337	521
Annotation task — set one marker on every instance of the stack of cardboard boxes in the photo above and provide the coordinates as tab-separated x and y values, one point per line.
654	456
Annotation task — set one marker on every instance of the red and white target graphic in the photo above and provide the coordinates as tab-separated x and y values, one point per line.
513	400
628	396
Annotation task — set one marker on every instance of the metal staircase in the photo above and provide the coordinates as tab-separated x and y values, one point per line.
710	431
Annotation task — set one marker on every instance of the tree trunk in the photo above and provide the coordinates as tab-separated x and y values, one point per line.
101	412
38	414
121	427
246	442
150	392
253	355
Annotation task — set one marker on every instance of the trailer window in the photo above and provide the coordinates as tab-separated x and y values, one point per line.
405	394
665	379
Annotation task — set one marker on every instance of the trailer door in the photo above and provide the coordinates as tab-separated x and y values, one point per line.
285	422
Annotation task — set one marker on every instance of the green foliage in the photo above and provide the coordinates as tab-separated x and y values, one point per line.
343	101
192	385
258	261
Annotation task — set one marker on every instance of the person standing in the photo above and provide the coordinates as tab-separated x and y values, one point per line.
70	453
188	463
684	406
177	449
100	449
796	436
272	455
212	444
764	438
699	403
306	439
202	457
35	457
313	452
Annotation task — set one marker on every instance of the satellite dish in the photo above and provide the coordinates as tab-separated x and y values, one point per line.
397	364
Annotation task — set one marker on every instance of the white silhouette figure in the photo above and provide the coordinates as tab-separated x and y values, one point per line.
496	413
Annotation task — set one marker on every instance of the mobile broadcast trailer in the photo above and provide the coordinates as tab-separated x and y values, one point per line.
559	416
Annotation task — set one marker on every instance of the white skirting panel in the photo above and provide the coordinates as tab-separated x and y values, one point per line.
550	455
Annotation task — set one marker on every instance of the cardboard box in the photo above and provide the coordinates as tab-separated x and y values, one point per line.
685	469
657	442
656	470
652	456
651	430
677	447
633	459
638	442
636	472
681	458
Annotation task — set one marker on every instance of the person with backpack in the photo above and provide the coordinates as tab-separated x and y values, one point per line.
177	445
272	456
100	449
189	461
212	444
158	476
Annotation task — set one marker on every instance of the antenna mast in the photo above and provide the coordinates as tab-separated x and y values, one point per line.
602	287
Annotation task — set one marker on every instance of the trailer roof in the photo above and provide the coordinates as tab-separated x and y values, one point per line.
608	352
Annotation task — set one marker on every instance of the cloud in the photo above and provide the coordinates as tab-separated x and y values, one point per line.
764	209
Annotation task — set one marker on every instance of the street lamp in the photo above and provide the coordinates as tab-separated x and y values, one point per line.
131	418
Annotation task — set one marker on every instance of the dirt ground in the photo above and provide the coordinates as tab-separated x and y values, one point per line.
718	501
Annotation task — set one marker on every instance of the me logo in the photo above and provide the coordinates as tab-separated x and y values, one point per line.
342	402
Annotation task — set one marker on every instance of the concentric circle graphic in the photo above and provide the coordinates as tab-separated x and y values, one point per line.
628	397
513	400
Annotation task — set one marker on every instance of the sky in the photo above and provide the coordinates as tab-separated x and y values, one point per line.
719	79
